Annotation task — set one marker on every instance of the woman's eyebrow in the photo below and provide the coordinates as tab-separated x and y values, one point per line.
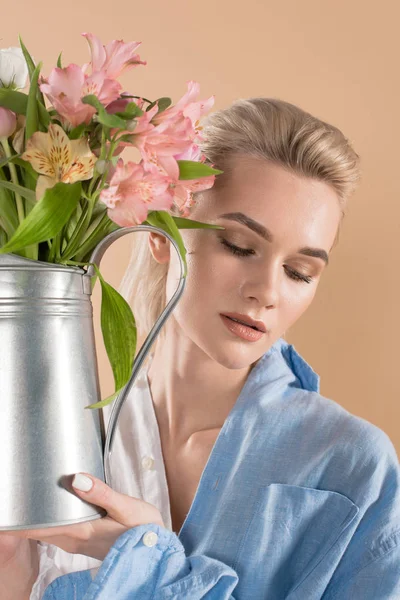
265	233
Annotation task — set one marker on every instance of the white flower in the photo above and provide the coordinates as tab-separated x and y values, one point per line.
13	68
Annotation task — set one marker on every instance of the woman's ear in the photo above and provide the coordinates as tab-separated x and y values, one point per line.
159	247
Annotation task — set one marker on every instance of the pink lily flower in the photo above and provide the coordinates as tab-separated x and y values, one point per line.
159	146
66	87
133	192
188	107
192	153
113	59
183	191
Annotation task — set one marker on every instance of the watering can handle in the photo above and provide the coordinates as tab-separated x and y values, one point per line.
95	258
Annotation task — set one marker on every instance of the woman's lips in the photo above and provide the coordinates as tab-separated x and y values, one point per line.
243	331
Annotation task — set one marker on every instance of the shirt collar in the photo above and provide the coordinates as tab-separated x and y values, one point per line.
283	359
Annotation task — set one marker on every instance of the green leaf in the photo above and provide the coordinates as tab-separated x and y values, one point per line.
15	101
183	223
79	231
32	116
24	164
47	217
72	223
3	236
163	104
29	60
190	169
163	220
8	212
77	132
119	335
31	67
104	118
99	229
44	116
59	65
7	159
22	191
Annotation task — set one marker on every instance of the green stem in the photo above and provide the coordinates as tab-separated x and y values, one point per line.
92	240
73	242
101	157
139	97
113	144
14	177
74	262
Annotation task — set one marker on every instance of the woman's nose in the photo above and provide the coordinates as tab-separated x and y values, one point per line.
262	285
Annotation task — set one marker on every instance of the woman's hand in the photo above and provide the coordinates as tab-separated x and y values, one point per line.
95	538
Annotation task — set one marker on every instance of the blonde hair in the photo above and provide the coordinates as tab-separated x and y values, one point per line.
265	128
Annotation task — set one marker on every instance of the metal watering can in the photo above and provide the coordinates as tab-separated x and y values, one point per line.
48	374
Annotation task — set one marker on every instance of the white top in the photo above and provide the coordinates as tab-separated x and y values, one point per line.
137	468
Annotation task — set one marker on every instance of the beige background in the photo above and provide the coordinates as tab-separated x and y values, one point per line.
337	60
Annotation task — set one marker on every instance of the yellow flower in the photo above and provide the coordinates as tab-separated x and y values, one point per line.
57	158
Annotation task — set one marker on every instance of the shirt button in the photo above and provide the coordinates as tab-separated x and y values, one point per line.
148	463
150	539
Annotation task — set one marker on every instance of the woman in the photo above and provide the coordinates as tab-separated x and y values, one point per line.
276	491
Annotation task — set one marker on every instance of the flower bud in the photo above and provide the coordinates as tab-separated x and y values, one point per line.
101	166
131	125
8	122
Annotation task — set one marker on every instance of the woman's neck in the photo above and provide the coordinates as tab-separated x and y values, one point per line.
191	392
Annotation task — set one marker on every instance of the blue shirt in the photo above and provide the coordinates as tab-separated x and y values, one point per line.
299	500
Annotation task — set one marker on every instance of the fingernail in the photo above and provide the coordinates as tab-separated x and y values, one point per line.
82	483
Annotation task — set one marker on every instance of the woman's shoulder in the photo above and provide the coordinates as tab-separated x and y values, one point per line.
295	387
369	436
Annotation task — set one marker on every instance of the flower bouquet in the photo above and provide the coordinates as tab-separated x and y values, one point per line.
64	189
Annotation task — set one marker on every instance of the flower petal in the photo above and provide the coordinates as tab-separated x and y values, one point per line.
60	153
44	183
97	51
105	89
37	153
133	192
83	161
121	57
64	89
13	68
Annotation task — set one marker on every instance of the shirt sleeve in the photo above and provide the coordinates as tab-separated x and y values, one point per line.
54	562
370	567
149	562
379	578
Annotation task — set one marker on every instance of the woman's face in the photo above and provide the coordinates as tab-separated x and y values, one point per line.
271	279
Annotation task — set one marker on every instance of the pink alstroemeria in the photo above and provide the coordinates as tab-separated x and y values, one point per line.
66	87
188	107
183	191
192	153
113	59
133	192
159	146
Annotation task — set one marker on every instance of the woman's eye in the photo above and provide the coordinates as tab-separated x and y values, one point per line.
238	251
298	276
